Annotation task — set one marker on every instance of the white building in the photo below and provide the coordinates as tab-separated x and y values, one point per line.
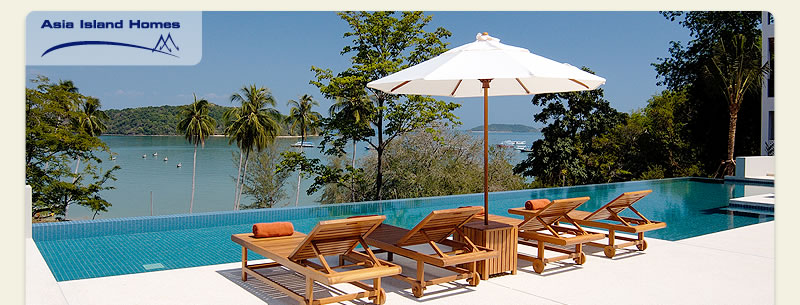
768	86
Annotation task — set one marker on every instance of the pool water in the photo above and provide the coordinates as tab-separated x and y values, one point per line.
85	249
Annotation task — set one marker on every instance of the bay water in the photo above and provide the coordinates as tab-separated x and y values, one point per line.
142	174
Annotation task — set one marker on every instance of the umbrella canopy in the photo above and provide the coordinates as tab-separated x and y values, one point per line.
513	71
472	69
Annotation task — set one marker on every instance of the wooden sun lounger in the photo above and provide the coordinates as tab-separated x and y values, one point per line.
331	237
607	217
544	227
433	230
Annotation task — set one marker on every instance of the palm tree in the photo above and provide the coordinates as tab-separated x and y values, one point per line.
196	125
90	120
253	125
736	62
303	119
358	110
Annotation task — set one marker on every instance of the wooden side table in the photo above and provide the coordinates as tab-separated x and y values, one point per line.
498	236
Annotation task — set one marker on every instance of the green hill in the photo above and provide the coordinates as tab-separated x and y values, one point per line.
161	120
507	128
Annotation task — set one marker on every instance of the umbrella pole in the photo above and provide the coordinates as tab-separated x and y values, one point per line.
485	83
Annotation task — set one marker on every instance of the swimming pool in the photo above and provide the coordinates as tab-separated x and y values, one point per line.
87	249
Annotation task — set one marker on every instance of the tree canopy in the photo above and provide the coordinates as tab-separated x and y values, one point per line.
706	110
384	43
61	127
568	154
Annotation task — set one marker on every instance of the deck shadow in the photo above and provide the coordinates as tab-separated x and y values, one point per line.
549	269
285	277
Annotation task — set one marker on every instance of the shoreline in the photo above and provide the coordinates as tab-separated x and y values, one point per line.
277	137
175	135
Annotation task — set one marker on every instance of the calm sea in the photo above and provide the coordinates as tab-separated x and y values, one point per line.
214	190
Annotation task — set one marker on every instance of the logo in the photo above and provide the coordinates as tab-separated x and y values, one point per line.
161	44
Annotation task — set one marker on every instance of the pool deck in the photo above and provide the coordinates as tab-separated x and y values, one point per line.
730	267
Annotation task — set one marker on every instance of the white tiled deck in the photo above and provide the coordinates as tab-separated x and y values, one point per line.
731	267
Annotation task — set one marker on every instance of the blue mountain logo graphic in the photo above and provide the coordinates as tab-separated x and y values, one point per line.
161	44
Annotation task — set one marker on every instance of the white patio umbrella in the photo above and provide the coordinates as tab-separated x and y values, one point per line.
471	70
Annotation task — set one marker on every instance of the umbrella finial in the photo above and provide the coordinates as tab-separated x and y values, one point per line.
483	36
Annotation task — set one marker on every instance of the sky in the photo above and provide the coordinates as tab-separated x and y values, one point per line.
277	49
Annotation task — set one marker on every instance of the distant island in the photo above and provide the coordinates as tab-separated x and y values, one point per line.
507	128
160	120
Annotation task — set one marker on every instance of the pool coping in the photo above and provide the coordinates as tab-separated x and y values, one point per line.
143	224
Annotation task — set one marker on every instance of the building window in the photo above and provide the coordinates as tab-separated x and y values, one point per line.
771	79
770	19
771	127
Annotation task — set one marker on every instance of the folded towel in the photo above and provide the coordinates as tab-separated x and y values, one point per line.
535	204
474	206
273	229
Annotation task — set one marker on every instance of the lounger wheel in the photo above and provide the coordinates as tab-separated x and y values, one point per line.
642	246
417	291
580	259
538	265
609	251
474	280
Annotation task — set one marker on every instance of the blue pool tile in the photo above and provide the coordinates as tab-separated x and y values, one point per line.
87	249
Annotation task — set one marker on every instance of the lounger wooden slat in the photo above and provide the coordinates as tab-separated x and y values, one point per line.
332	237
607	217
434	229
544	226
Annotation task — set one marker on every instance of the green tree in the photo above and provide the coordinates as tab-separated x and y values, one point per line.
196	125
424	164
350	119
567	155
736	63
53	138
265	185
253	126
662	143
706	112
384	43
303	119
90	120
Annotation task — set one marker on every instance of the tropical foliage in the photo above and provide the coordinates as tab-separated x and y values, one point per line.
422	164
61	127
706	111
264	184
196	126
384	43
303	119
736	66
253	126
569	153
161	120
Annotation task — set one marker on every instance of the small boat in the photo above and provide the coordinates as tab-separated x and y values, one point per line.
303	144
144	156
179	164
113	158
165	159
512	144
155	154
